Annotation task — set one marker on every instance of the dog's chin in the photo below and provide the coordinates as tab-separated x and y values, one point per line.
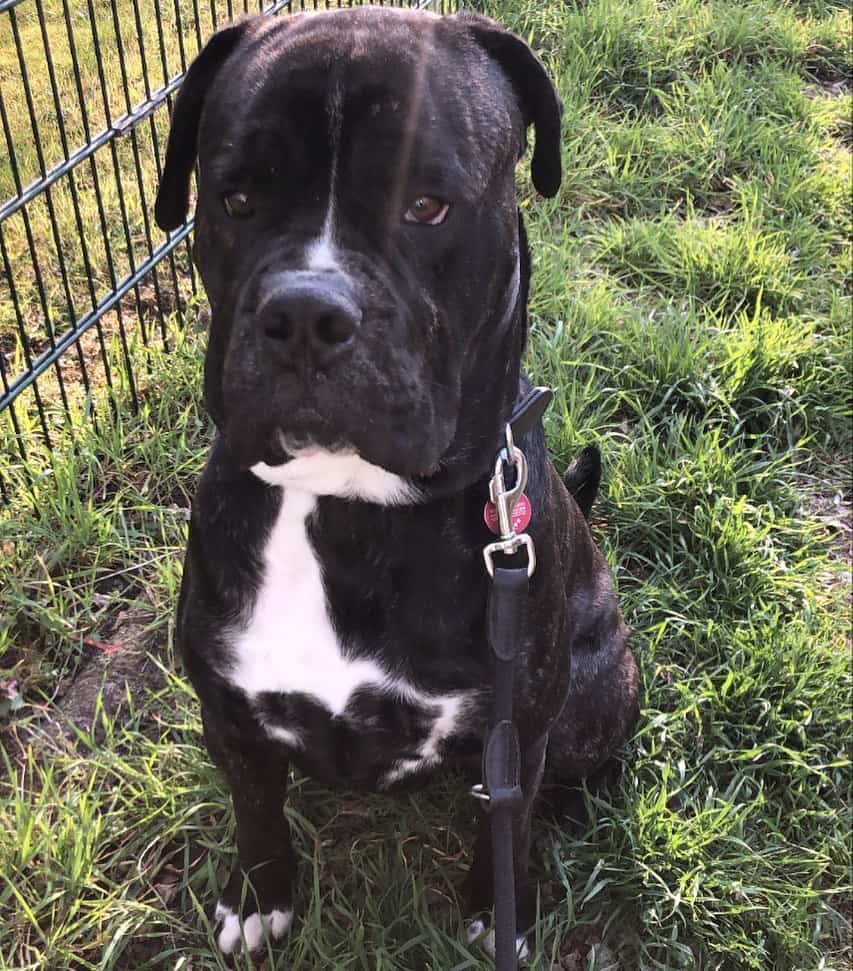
328	465
399	462
316	471
261	439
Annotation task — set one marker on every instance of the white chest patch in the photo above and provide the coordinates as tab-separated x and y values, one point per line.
287	643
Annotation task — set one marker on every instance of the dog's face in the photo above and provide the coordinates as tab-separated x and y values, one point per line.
356	227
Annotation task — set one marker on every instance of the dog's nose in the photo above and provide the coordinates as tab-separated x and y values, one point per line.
306	310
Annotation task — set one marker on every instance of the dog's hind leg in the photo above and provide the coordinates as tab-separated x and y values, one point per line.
599	715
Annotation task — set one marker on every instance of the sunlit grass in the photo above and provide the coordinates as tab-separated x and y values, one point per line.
691	309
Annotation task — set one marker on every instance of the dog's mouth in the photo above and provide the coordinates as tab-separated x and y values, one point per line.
306	434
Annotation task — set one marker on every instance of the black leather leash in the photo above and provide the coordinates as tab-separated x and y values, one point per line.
506	622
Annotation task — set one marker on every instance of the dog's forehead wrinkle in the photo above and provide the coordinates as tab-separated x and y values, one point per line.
406	89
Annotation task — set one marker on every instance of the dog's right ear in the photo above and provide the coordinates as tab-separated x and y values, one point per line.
173	195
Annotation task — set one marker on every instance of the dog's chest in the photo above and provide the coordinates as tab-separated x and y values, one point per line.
347	714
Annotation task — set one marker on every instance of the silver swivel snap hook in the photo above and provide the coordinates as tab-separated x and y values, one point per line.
505	500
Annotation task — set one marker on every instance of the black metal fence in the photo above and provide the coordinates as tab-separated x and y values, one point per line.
86	278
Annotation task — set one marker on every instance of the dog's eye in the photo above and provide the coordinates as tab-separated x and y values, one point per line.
427	210
237	205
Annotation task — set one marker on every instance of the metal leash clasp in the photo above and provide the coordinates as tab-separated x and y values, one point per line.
505	500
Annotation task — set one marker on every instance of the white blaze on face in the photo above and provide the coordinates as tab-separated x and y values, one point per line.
322	253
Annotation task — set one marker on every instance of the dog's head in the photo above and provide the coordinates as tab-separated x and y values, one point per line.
356	229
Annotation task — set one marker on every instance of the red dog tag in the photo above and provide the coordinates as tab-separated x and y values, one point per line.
520	515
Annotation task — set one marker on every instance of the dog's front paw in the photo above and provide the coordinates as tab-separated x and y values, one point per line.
479	931
251	929
254	909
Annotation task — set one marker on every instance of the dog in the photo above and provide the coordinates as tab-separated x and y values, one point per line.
359	239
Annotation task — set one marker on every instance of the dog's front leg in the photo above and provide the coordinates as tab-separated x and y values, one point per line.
257	900
479	885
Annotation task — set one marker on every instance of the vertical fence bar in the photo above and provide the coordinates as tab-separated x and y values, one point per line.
16	428
140	179
161	46
96	186
155	143
197	24
81	235
179	29
122	208
48	327
7	268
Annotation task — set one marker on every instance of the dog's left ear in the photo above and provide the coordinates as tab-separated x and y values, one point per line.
537	96
173	195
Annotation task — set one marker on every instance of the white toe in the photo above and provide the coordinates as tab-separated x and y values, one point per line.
476	930
229	936
253	931
279	922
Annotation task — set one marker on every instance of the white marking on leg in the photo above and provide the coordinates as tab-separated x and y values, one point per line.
452	708
286	735
401	769
279	922
476	931
253	929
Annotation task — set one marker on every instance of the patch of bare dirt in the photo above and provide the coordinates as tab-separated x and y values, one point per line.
117	680
833	508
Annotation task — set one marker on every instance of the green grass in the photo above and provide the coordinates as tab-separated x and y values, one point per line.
691	307
71	223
